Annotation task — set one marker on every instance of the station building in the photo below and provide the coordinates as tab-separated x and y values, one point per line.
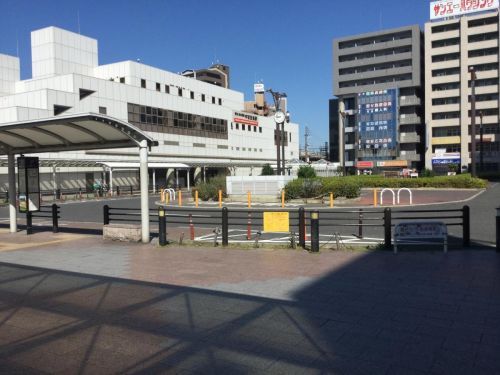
202	128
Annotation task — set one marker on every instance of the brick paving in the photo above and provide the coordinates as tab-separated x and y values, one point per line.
81	305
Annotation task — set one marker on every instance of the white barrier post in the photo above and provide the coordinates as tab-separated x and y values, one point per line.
409	191
382	196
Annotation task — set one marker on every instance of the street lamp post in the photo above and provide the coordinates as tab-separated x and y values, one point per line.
473	120
481	151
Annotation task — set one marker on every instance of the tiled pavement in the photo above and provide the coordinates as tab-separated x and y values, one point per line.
206	310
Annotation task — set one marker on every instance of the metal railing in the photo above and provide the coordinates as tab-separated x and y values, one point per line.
329	220
46	212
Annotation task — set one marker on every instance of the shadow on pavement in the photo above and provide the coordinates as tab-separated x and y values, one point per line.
411	313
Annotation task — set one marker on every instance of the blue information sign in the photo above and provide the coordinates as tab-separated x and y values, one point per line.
378	119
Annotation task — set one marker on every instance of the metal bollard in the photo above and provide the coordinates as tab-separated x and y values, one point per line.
302	228
118	191
466	226
315	231
131	190
58	194
162	227
360	223
105	210
498	229
29	223
249	226
225	230
387	228
191	227
55	218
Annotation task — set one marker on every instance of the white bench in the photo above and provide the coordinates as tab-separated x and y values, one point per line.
420	233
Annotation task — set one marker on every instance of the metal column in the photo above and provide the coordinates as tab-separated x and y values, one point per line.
12	193
111	180
154	181
188	182
177	179
143	153
54	181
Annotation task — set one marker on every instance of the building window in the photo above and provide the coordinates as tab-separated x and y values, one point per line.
122	79
202	97
249	128
167	89
103	110
260	129
220	101
84	93
290	136
231	126
213	99
255	129
58	109
143	83
179	91
242	126
237	126
192	94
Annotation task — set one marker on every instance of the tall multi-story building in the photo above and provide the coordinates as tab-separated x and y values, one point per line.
377	79
201	128
452	47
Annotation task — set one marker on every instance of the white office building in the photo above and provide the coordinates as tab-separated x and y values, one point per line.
201	128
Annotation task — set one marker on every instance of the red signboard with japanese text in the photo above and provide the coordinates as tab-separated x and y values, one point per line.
451	8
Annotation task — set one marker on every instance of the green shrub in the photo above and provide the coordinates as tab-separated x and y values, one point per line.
210	189
313	188
341	187
462	181
267	170
306	171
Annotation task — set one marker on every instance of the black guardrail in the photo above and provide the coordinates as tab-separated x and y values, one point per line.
325	220
46	212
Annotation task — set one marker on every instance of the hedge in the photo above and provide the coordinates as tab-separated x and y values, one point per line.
350	186
461	181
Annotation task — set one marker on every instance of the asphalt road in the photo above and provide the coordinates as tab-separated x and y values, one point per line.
482	210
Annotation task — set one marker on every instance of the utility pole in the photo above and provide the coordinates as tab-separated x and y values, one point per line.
306	143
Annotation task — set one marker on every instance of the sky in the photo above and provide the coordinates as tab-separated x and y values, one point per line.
287	45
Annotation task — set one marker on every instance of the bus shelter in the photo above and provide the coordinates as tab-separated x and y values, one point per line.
78	132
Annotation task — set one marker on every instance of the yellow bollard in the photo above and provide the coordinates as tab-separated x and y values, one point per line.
283	198
249	199
167	197
180	197
331	200
196	198
162	196
220	198
374	197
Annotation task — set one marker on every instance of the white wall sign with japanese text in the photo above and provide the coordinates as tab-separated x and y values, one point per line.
451	8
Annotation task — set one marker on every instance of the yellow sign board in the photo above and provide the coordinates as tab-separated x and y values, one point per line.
276	221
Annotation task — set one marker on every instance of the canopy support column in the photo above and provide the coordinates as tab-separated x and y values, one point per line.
54	181
177	179
111	181
12	193
154	181
143	154
187	173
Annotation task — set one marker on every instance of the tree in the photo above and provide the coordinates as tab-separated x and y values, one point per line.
306	171
267	170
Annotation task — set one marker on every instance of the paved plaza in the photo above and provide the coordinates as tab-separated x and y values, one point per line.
76	304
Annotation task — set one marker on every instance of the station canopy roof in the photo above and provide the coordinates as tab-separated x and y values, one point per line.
85	131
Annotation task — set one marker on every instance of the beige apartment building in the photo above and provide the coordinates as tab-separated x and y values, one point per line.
452	47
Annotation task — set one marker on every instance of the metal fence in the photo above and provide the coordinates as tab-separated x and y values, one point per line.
357	222
46	212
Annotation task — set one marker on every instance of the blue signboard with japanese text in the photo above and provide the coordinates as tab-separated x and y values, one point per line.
378	119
